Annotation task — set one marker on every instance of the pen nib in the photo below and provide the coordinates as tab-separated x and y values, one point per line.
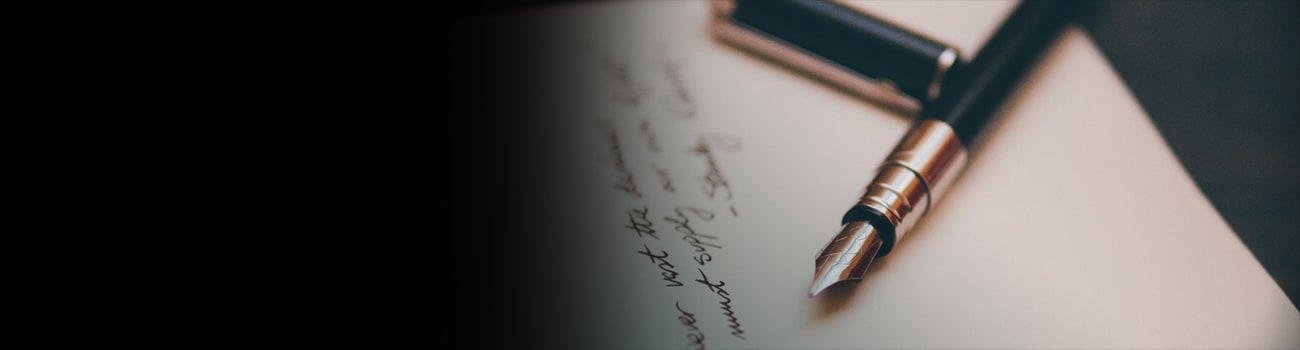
847	256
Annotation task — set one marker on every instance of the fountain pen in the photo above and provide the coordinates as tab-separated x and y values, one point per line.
934	151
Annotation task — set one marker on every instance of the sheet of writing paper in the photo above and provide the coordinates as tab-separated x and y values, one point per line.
699	182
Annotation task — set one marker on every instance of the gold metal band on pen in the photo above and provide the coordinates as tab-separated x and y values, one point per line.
916	174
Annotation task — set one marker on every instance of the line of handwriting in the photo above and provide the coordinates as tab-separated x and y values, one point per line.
638	222
694	337
627	90
625	182
700	242
680	102
715	183
716	288
666	267
651	140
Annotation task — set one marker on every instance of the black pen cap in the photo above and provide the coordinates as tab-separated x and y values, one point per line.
862	54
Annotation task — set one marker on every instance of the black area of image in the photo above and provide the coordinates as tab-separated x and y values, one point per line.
489	144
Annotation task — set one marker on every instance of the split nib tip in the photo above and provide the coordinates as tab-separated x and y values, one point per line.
846	257
821	285
826	279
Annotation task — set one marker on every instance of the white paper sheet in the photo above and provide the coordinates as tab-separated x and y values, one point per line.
1073	227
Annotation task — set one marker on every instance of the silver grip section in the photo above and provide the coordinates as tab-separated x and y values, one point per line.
916	174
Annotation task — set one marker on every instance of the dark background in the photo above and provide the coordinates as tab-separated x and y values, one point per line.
1220	80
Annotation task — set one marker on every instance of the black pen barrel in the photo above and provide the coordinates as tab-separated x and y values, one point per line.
921	167
978	89
841	45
